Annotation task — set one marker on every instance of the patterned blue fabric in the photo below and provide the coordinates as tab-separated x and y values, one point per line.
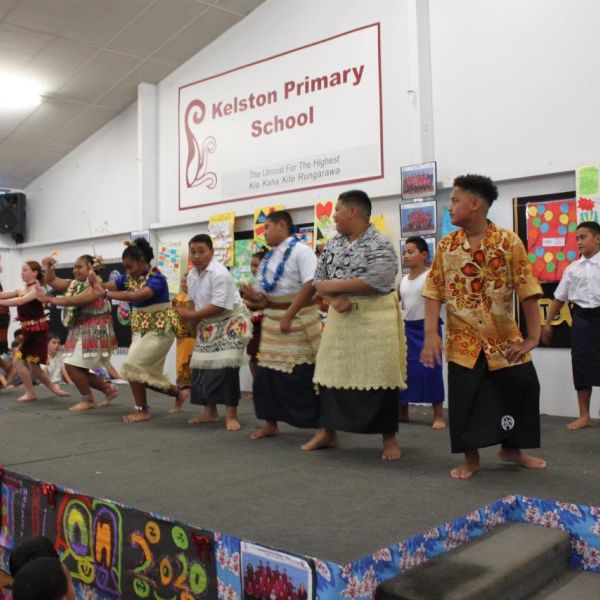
156	282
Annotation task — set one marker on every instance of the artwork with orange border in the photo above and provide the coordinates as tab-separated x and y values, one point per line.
551	245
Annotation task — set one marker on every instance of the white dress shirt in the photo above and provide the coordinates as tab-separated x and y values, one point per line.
214	286
580	283
299	268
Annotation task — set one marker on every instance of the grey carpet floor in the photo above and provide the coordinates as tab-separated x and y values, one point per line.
336	505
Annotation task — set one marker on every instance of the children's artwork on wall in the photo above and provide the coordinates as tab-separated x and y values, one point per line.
268	573
418	181
446	226
169	263
378	221
260	216
431	242
306	235
241	271
551	244
588	193
324	223
220	229
418	218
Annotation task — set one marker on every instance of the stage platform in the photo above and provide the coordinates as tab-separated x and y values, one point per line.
336	505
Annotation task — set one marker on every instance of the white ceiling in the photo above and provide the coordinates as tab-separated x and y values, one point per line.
89	56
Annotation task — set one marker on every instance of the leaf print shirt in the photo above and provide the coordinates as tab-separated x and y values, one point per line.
477	287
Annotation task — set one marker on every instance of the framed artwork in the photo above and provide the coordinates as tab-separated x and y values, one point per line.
268	573
418	218
419	181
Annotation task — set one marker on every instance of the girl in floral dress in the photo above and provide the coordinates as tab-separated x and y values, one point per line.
34	349
91	339
154	324
186	340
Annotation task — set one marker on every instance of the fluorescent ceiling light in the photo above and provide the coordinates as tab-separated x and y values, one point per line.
18	92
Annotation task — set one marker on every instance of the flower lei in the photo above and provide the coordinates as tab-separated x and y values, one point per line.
133	285
264	284
75	288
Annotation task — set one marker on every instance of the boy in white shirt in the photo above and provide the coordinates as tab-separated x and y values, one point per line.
223	327
580	285
425	385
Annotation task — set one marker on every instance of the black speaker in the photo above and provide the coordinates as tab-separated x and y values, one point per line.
12	215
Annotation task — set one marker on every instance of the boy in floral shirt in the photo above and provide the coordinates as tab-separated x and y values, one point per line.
493	390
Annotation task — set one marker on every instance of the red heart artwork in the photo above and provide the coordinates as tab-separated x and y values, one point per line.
324	210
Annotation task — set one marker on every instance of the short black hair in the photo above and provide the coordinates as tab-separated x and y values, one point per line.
139	249
41	579
359	199
17	332
480	185
202	238
282	215
35	547
591	225
419	242
54	336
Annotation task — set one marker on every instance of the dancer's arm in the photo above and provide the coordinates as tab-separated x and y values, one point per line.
19	300
9	294
83	299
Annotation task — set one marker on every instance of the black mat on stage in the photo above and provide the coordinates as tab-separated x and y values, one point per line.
336	505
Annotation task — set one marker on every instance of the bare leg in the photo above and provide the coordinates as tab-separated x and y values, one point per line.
253	367
469	467
183	394
520	458
269	429
25	375
403	413
80	380
583	400
438	417
110	390
36	371
322	439
391	450
231	420
141	412
210	415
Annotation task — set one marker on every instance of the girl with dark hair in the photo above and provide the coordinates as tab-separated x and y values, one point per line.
34	349
91	339
154	324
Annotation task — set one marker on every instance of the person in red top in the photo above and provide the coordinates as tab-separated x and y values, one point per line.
34	350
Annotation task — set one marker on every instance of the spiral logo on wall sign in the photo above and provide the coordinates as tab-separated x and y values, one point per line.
197	153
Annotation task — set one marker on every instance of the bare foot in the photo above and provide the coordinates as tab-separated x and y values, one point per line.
403	413
83	405
267	430
321	439
233	425
520	458
58	391
26	398
204	418
112	393
580	423
137	417
438	424
391	450
180	399
465	471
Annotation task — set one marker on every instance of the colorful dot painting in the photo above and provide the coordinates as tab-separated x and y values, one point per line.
551	237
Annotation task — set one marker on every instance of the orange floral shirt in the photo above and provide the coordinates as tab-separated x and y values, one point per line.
477	288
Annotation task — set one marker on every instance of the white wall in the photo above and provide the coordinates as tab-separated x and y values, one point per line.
92	191
515	86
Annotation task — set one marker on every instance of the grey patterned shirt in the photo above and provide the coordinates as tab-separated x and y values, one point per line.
371	258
